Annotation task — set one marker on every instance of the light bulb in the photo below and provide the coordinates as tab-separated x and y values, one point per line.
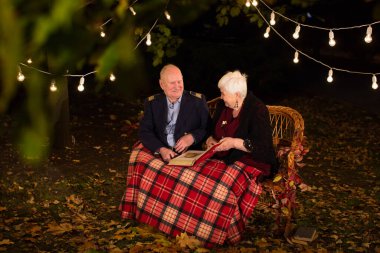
296	33
266	34
248	3
296	60
368	36
29	61
148	39
167	15
255	3
53	88
132	10
330	78
112	77
20	76
102	33
272	19
80	87
332	42
374	82
368	39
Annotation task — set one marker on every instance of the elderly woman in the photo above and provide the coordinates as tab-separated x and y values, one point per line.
213	199
241	126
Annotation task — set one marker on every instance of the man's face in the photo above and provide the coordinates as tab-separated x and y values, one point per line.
172	83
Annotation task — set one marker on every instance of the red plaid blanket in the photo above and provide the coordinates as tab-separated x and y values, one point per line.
211	200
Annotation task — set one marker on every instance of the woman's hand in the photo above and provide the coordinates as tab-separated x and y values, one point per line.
226	144
210	142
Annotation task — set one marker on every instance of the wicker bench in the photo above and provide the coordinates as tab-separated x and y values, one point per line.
279	194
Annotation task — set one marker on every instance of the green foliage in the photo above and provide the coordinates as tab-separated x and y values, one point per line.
10	50
164	42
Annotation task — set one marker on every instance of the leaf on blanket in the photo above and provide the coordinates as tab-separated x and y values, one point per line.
184	240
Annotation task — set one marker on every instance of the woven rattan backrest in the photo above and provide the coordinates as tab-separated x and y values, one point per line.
287	123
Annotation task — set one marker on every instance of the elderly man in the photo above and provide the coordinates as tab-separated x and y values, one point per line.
174	120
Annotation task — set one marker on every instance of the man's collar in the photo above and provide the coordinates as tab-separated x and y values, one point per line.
178	100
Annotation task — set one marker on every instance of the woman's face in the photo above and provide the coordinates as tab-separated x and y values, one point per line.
228	98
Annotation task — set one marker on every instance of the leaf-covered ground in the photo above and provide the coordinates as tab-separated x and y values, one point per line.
69	202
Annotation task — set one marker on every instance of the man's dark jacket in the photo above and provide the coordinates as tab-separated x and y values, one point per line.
254	125
192	119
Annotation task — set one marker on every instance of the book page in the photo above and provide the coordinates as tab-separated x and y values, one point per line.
190	157
186	159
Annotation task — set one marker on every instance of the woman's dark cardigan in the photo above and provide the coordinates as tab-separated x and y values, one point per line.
254	124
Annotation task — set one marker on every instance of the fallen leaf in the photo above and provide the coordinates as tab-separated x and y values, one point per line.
57	229
6	242
184	241
277	178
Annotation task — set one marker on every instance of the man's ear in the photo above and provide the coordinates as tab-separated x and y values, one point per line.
161	83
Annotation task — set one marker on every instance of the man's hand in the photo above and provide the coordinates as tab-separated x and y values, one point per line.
183	143
167	154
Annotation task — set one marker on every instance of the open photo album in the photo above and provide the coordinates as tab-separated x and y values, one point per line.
191	157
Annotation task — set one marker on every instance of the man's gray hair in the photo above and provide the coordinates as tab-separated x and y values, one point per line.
233	82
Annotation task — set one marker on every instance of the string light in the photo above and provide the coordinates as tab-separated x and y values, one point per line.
148	39
374	82
53	88
296	60
272	19
102	33
266	34
330	76
332	42
368	37
112	77
20	75
296	33
132	10
81	84
319	27
248	3
167	15
29	61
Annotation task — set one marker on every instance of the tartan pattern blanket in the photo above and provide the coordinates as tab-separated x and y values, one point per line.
210	200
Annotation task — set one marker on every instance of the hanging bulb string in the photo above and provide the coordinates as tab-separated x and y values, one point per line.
48	73
308	56
39	70
84	75
143	38
319	27
109	20
93	72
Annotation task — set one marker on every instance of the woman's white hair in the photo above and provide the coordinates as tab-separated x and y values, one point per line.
233	82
